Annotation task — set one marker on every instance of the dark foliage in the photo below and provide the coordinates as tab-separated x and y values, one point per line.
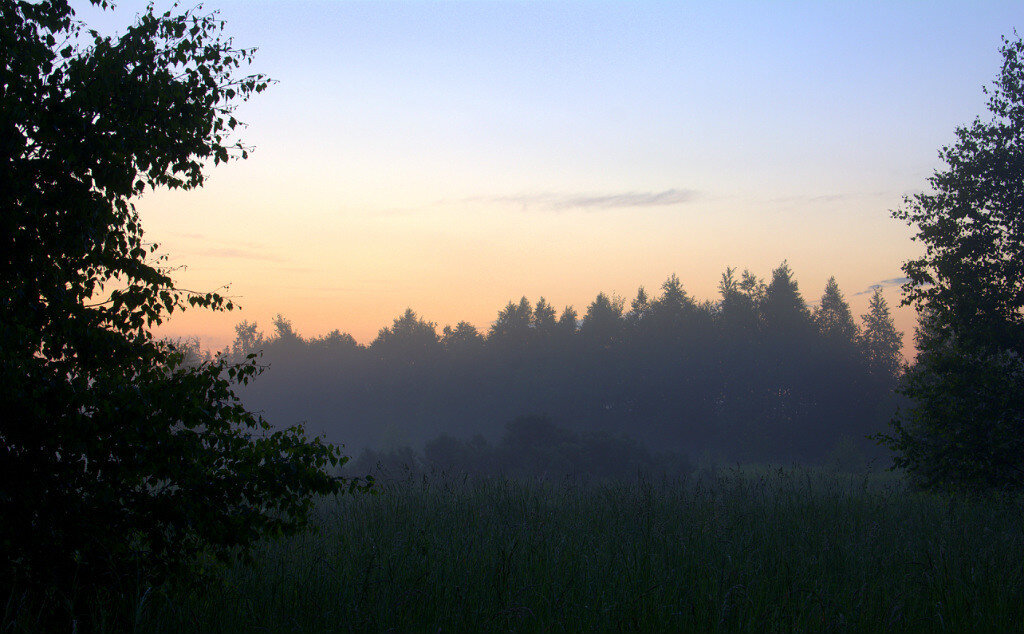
121	461
965	426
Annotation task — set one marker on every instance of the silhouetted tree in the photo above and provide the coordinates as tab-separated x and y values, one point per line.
191	351
568	321
971	277
284	341
513	325
603	324
753	287
336	342
739	307
638	309
284	332
119	465
462	339
784	309
410	339
737	398
880	342
248	340
787	399
544	318
833	316
966	424
672	308
729	286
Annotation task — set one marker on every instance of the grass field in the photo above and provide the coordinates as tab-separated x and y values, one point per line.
749	550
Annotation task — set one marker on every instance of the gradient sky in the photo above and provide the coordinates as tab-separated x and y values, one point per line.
454	156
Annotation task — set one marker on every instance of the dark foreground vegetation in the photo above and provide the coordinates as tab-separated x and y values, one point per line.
758	550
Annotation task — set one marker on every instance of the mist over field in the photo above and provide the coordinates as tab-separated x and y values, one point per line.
755	375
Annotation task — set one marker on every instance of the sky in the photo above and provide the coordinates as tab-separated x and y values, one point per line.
454	156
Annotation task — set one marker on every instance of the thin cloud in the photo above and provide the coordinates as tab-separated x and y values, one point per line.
892	281
562	202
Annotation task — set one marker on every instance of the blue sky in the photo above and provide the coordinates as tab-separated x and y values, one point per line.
453	156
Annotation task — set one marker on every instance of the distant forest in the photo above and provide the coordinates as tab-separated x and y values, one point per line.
755	376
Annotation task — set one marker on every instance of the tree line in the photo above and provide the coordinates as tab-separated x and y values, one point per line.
756	375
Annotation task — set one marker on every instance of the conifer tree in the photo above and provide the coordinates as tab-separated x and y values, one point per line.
880	342
513	325
783	307
738	307
674	298
544	317
833	316
568	321
603	324
464	337
639	308
409	339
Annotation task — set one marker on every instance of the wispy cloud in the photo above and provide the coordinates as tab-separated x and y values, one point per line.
892	281
617	200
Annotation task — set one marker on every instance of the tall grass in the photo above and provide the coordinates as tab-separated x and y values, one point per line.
782	550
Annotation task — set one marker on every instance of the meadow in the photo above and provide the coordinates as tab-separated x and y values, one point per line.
745	550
